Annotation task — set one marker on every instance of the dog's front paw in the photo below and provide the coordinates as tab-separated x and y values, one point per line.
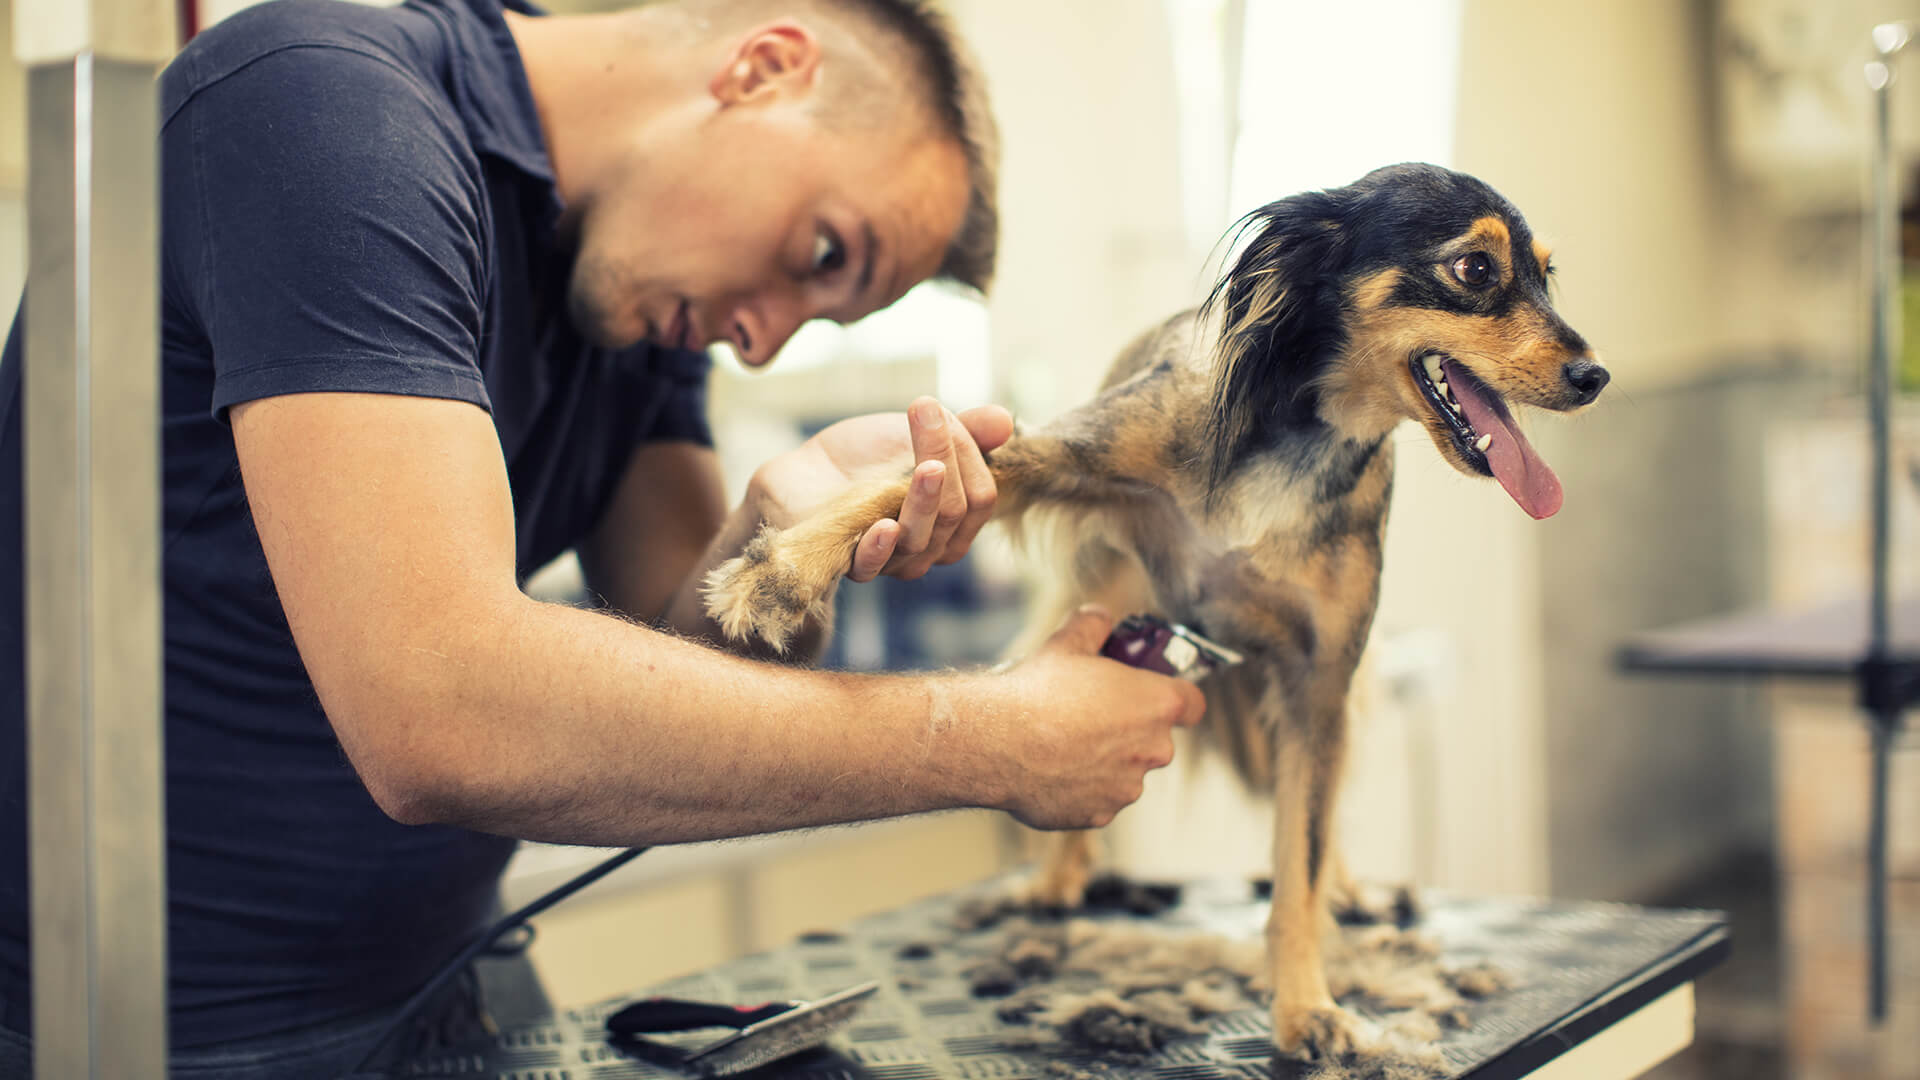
762	595
1317	1032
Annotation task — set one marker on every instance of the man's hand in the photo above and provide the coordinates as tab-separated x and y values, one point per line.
1088	728
951	498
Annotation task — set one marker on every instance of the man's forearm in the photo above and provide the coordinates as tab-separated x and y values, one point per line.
460	700
566	725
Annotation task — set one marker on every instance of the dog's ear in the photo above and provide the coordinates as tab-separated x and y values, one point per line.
1278	309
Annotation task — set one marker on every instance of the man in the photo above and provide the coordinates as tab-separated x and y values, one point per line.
434	284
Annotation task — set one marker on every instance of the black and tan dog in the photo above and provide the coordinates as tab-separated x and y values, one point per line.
1233	474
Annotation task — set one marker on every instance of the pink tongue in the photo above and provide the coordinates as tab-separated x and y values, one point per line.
1519	470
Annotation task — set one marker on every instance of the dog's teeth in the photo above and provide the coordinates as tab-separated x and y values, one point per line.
1482	443
1441	385
1433	369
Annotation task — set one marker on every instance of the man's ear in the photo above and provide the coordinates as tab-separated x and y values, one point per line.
779	58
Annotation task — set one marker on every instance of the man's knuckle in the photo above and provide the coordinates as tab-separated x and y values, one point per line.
1174	705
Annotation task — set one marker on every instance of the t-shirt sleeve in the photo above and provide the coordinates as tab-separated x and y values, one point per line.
333	240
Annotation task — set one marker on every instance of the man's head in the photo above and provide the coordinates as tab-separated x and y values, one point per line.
788	160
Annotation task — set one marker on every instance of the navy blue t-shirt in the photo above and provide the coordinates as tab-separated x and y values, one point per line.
352	199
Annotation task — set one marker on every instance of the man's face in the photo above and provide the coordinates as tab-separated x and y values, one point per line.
743	223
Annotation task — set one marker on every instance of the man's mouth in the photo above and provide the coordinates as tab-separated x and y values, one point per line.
679	332
1485	434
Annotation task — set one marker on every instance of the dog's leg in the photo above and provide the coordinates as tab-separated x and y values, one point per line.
1306	1022
1344	901
786	576
1300	705
1348	901
1065	868
1351	902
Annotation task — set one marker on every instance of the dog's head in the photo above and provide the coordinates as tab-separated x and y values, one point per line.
1415	293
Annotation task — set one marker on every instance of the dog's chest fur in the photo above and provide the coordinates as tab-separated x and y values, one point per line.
1281	561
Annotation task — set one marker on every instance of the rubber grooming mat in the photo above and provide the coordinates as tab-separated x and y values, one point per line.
1575	968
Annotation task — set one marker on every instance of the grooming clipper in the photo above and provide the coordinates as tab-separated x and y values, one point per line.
767	1032
1153	643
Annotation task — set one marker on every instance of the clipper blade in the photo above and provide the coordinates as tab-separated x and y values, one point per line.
802	1027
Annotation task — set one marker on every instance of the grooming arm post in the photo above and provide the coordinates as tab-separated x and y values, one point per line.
1877	678
90	445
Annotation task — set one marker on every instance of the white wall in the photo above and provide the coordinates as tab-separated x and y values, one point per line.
13	168
212	11
1093	248
1598	121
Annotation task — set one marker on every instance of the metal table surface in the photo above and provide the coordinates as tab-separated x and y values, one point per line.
1576	969
1836	641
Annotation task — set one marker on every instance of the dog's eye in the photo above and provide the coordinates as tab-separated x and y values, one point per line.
1473	270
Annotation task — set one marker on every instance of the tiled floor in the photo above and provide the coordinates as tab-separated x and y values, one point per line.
1737	1030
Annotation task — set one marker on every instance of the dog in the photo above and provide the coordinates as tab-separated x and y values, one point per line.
1233	474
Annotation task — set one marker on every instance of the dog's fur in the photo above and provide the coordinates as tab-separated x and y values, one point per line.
1233	474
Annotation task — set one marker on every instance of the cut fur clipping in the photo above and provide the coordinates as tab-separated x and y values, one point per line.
1122	992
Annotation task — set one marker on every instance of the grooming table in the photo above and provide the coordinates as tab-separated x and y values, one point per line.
1599	991
1826	642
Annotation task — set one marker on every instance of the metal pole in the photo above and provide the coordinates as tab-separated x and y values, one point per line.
91	447
1888	40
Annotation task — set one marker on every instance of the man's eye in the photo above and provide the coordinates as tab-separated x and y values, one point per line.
828	253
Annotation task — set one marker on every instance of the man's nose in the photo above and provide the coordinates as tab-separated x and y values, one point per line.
759	330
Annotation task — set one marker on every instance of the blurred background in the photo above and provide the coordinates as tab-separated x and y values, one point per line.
1699	168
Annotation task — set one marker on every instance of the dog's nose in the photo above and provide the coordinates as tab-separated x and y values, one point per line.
1587	378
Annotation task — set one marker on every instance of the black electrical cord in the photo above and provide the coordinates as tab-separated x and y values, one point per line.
481	944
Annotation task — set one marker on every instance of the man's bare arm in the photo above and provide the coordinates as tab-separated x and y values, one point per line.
665	512
388	527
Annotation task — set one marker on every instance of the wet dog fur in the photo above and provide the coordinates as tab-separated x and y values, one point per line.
1233	474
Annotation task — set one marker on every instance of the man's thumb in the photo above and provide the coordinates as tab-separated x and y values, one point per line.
1085	630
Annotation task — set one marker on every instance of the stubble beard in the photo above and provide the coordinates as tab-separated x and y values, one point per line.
592	307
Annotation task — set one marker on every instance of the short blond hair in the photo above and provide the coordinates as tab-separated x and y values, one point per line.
928	54
957	94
